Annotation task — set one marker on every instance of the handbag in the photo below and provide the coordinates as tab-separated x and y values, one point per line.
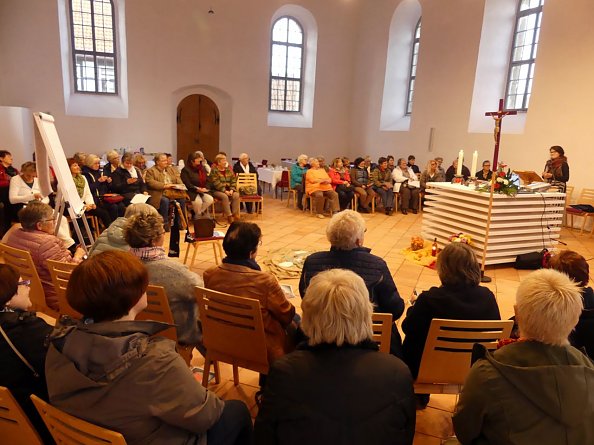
204	227
112	198
174	194
532	260
248	190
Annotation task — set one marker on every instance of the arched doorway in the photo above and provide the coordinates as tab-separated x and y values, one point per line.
198	126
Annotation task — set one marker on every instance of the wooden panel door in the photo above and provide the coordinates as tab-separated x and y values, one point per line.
197	126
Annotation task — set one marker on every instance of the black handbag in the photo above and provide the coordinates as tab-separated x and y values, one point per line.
204	227
532	260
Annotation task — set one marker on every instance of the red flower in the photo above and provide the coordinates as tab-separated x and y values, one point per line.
501	174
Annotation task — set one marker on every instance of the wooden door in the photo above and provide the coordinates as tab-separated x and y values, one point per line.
197	127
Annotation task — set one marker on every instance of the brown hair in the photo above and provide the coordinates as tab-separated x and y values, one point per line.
141	230
34	212
9	279
29	166
106	286
457	266
573	265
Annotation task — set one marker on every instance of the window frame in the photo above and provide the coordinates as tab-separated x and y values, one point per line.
531	62
271	77
416	44
95	54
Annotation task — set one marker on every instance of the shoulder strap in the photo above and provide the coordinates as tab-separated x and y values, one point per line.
16	351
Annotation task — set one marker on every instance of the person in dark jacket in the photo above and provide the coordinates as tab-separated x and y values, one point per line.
451	171
194	176
346	231
556	170
576	267
337	388
127	180
537	390
29	334
245	166
99	185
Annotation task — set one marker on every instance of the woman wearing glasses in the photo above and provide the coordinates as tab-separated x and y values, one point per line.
37	237
27	333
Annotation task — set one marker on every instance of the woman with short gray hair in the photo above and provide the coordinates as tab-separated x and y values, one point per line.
338	375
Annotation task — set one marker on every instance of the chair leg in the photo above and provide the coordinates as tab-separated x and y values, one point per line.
583	224
235	375
206	371
217	371
188	252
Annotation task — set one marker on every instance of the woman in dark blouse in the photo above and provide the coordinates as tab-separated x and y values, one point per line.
556	169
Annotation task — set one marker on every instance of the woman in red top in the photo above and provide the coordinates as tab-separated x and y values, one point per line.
341	182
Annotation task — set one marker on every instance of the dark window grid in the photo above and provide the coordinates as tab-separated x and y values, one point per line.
509	95
95	54
413	69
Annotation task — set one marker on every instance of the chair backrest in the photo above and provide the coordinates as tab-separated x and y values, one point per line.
15	427
232	329
568	194
284	181
158	309
60	273
586	197
22	261
70	430
247	179
382	330
448	348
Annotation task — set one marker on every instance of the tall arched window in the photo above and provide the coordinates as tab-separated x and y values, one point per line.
413	68
523	54
93	46
286	65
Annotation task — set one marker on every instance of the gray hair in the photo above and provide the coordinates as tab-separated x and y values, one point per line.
345	229
33	213
243	155
158	156
112	154
90	160
140	208
336	309
548	306
302	158
457	265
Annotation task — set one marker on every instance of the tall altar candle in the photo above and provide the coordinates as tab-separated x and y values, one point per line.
474	162
460	161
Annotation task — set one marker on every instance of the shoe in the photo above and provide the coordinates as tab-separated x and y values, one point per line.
387	211
391	211
319	215
173	253
415	211
300	207
404	212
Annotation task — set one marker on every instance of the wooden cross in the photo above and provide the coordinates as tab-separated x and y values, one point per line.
498	117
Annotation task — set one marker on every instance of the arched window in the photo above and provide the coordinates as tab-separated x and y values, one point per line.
413	68
523	54
93	46
286	65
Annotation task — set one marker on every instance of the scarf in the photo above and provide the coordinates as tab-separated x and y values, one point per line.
201	175
246	262
149	253
558	162
79	182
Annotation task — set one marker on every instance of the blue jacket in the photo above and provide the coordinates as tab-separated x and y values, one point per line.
297	173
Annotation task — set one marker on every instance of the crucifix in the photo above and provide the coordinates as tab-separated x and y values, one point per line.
498	117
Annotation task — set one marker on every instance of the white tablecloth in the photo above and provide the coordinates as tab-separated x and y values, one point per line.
269	176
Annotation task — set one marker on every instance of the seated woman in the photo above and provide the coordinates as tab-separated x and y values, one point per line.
37	237
431	174
114	372
341	182
381	181
298	171
140	163
223	186
409	194
113	162
28	334
537	390
318	185
362	184
112	238
99	185
145	235
346	233
337	388
241	275
194	177
577	268
161	181
126	179
82	187
459	298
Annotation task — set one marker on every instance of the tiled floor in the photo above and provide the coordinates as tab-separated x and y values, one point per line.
284	227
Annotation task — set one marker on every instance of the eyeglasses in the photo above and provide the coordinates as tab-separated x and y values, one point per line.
26	283
48	220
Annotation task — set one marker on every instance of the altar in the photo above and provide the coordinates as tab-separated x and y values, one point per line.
521	224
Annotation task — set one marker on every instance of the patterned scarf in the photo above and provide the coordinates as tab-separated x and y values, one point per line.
149	253
79	182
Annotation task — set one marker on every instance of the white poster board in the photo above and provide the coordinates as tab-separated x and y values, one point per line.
48	145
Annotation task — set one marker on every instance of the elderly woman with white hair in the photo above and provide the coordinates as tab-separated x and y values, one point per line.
296	178
346	233
337	387
537	390
113	162
243	165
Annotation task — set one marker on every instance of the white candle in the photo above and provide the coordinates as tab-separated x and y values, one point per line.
474	162
460	161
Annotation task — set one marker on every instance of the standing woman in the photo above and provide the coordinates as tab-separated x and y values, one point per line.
194	177
556	170
341	181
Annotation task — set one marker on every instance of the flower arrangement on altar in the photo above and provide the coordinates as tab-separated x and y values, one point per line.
503	182
461	238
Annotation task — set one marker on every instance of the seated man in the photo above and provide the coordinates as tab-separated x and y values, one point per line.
114	372
537	390
452	169
381	178
346	231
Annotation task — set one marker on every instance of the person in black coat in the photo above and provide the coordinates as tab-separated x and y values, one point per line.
346	231
451	171
245	166
99	185
28	333
127	180
337	388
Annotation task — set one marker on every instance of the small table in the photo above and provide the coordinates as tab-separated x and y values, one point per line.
270	176
216	248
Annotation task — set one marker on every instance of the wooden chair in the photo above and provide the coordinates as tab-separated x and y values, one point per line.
586	197
382	330
60	273
233	332
22	261
568	193
292	193
70	430
217	249
448	349
358	198
250	179
15	427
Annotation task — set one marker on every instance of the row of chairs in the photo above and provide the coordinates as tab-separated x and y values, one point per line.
586	198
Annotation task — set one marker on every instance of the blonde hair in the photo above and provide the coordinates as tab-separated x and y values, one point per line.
90	160
140	208
302	158
336	309
219	157
112	154
548	306
344	229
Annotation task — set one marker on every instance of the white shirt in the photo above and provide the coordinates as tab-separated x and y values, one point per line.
20	193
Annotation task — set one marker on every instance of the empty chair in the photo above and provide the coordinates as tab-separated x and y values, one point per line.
15	427
586	198
60	273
